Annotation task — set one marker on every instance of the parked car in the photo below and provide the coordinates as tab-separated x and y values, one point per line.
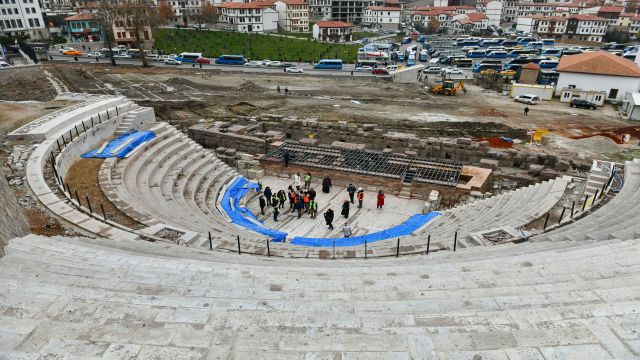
527	99
199	26
266	62
508	73
582	104
287	65
274	64
253	63
202	60
392	67
453	71
72	53
364	68
227	28
380	72
432	70
172	62
122	56
294	70
95	54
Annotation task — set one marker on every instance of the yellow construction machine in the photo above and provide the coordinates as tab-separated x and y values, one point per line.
448	87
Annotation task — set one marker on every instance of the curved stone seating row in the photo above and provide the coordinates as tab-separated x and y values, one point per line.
100	117
533	300
619	218
172	180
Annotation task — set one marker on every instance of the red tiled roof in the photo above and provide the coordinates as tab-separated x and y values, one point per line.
294	2
585	17
432	12
599	63
333	24
477	17
81	16
383	8
251	5
531	66
464	21
611	9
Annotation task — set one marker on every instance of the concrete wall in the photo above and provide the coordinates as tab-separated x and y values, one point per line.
12	223
28	82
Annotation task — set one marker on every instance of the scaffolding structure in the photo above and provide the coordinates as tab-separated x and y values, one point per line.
367	162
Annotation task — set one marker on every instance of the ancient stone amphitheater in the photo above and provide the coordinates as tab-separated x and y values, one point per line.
569	292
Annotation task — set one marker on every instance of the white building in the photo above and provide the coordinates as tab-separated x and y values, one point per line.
469	23
599	71
23	16
510	10
320	9
333	31
425	17
493	10
186	11
293	15
382	17
586	28
254	17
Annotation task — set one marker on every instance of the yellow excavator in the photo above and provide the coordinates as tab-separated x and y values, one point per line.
448	87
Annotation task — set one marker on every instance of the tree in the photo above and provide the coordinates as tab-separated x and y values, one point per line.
138	19
433	25
165	12
209	13
105	14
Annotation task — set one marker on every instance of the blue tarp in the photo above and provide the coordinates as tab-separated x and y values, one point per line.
406	228
137	138
241	215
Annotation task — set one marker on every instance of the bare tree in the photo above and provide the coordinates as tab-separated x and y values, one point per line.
165	12
138	19
105	13
432	26
208	13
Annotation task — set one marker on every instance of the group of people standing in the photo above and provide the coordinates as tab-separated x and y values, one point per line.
302	198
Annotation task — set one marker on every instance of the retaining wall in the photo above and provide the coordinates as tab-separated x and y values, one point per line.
12	221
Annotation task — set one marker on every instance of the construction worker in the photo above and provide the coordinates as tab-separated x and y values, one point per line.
307	181
351	190
306	200
267	194
263	203
360	198
313	208
292	198
328	218
282	198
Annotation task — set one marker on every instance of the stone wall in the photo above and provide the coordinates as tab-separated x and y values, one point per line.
27	82
12	223
252	135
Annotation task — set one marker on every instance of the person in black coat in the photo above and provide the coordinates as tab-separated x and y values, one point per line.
326	184
328	218
286	157
263	203
352	191
268	194
345	209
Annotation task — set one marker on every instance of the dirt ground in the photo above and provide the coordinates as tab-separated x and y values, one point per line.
83	178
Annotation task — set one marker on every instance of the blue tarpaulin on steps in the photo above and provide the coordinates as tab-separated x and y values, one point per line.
115	147
406	228
241	215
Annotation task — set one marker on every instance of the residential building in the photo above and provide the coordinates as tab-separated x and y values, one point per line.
551	27
427	17
509	10
320	10
586	28
83	27
599	71
382	17
634	24
253	17
23	16
293	15
124	30
333	31
534	8
493	10
186	11
610	12
469	23
54	12
349	10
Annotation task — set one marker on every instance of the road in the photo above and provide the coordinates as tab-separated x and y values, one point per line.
307	67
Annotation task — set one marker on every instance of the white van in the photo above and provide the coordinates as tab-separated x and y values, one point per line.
527	99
